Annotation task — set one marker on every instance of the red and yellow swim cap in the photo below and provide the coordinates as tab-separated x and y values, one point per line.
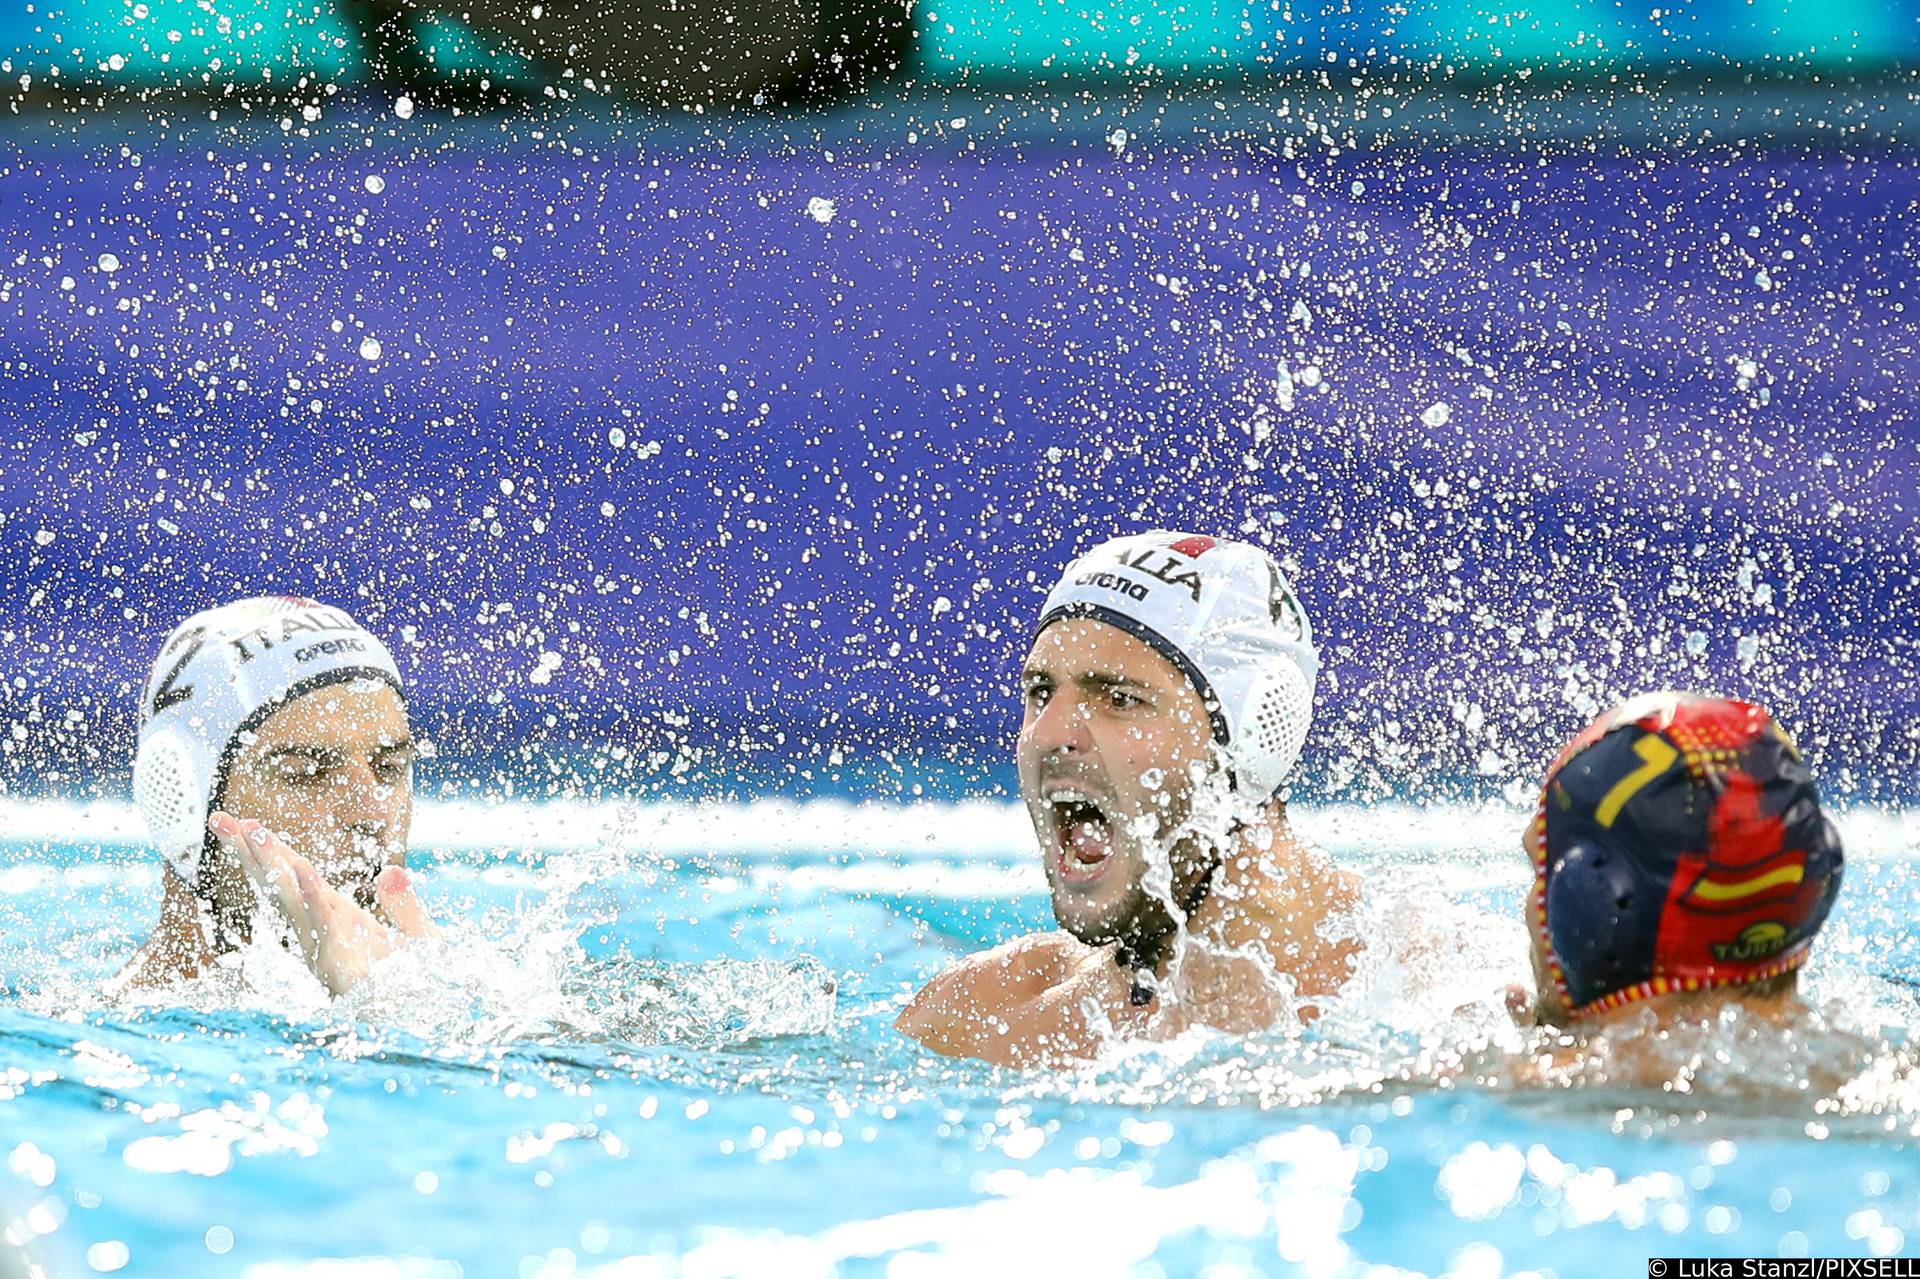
1679	845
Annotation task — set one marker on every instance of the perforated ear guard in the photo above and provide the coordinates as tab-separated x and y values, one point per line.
1270	730
1603	918
172	797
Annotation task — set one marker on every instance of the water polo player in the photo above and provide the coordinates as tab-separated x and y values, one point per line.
275	748
1167	695
1680	856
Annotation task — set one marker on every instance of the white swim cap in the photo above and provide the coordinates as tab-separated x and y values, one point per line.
1225	614
219	675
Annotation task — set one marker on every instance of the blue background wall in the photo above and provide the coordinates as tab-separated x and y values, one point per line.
782	495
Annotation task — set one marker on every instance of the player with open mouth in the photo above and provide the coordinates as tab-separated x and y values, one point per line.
1166	696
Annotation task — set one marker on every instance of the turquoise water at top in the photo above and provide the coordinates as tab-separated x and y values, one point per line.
684	1064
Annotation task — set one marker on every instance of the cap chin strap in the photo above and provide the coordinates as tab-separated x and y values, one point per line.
1143	955
224	940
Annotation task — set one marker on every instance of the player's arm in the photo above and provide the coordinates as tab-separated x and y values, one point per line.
963	1011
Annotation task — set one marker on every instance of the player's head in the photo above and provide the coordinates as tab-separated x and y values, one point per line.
283	710
1679	845
1169	684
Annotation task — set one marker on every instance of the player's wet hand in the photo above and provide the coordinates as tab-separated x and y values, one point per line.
1520	1005
400	905
340	940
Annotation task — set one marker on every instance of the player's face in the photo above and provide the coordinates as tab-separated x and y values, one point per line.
1113	743
331	772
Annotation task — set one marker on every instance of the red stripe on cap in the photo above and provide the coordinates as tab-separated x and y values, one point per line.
1194	547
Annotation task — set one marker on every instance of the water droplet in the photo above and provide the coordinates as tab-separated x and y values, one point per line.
1437	414
403	107
109	263
108	1256
821	209
375	184
369	348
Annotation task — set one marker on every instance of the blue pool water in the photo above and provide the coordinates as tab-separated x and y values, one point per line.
681	1062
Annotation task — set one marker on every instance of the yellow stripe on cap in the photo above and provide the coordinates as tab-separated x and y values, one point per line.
1708	890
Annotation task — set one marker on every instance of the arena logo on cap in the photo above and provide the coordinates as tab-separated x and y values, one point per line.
1113	582
331	648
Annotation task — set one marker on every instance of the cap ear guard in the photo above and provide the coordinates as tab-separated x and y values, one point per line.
1603	920
1270	730
1826	852
172	798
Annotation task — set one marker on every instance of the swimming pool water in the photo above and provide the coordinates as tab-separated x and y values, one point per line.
549	1127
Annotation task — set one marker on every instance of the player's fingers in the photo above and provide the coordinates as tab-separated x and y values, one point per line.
1520	1004
401	905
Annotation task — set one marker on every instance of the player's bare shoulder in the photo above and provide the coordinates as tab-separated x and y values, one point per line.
991	982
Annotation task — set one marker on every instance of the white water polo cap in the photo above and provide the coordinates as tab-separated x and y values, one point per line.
219	675
1224	613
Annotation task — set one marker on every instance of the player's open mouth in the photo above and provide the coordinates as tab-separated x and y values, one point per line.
358	884
1081	833
356	872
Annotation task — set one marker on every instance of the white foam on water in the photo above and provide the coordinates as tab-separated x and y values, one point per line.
775	828
966	849
355	1268
769	827
986	878
1294	1186
207	1140
1435	976
1294	1190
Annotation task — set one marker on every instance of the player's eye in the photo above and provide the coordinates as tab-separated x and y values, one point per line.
297	769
